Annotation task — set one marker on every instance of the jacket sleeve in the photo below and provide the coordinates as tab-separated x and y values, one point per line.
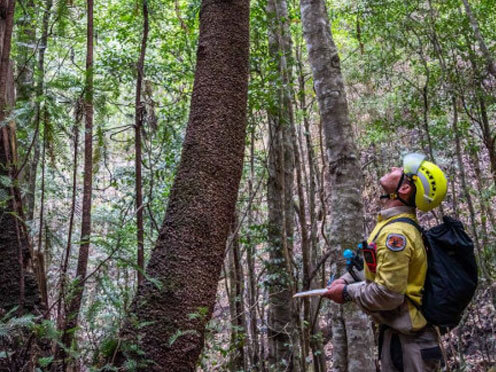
387	290
348	278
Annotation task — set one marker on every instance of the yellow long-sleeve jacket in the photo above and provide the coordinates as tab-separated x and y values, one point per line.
391	294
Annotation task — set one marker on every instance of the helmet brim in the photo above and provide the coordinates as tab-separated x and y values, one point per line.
412	163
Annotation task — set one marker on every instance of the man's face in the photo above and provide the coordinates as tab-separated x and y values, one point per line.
389	181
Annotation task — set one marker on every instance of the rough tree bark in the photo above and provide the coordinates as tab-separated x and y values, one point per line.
72	315
138	125
352	338
18	286
282	325
185	264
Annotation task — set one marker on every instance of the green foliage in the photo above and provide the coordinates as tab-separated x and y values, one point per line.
18	333
108	346
200	314
10	325
401	71
5	181
180	333
45	362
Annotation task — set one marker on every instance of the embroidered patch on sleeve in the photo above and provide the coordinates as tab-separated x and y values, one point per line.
396	242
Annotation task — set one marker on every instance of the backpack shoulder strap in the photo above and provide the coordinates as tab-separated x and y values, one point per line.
411	222
401	219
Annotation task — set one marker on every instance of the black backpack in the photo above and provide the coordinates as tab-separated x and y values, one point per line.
451	272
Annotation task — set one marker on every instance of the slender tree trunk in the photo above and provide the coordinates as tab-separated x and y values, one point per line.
488	137
480	185
25	86
40	83
263	344
312	162
239	305
463	180
41	114
250	258
305	250
139	113
353	340
185	265
236	303
39	252
26	38
491	65
67	255
310	314
6	27
425	120
32	172
452	183
282	313
74	306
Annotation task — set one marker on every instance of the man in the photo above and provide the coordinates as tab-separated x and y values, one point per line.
396	267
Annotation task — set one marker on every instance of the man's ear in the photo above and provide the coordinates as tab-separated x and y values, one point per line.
405	189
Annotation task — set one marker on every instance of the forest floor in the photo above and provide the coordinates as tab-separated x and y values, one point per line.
472	345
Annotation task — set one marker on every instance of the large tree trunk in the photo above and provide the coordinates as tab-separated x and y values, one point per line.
17	284
282	323
352	338
173	305
71	318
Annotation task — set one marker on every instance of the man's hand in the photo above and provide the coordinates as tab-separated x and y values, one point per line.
335	292
337	281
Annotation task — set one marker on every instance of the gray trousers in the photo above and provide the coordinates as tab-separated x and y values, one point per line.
410	353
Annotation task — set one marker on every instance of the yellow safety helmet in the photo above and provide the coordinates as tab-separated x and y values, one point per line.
429	181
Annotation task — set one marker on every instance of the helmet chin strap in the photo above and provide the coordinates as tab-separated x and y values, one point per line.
395	195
